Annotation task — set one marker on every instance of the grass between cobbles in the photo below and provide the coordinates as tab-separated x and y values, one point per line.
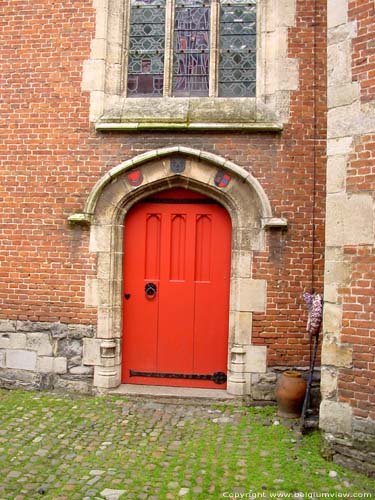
62	447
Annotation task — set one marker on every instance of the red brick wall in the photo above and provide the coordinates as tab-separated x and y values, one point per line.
46	159
357	385
294	263
51	158
363	59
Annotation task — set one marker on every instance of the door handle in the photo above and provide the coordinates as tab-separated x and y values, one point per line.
150	290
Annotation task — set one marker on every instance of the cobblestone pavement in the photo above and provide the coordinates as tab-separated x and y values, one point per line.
63	448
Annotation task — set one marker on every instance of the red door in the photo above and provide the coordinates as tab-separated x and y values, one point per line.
176	291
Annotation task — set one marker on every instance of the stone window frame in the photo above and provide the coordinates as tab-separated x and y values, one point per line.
105	210
277	76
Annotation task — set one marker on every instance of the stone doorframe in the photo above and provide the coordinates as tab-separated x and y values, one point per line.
106	208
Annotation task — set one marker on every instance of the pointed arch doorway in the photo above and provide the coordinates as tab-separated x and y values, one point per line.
108	206
177	261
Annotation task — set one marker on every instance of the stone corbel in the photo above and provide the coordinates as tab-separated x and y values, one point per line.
274	223
82	219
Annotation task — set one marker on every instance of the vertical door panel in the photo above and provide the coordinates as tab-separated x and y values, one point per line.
177	239
152	249
212	291
203	247
140	315
184	248
176	314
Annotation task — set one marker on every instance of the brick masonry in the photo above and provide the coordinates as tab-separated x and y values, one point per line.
51	158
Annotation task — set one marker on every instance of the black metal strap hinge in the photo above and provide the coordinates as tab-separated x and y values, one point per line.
217	377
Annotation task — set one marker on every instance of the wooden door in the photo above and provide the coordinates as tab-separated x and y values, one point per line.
176	291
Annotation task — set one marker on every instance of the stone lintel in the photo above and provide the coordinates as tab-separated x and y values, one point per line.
103	126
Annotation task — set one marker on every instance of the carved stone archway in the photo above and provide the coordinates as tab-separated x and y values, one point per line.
106	208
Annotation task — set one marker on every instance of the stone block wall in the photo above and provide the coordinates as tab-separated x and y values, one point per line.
44	355
348	356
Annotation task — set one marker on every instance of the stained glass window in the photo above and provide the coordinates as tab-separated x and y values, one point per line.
191	48
146	48
185	48
237	60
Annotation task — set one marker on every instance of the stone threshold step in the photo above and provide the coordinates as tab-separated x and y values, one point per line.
181	395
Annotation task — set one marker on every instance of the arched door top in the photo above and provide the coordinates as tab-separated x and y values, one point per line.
227	169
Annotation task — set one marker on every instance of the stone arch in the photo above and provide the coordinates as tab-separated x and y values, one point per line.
211	158
106	208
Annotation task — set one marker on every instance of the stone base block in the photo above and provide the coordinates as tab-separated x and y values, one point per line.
107	378
236	386
263	386
13	379
78	386
357	465
352	453
336	417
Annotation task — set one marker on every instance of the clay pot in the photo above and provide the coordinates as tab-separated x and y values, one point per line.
290	393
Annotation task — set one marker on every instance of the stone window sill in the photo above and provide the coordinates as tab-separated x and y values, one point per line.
197	113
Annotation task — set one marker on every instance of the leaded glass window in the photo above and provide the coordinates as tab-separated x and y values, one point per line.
237	61
185	48
146	48
191	48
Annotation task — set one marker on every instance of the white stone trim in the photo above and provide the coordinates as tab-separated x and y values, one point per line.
105	72
107	206
90	205
108	126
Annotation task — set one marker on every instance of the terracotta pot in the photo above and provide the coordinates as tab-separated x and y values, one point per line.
290	393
